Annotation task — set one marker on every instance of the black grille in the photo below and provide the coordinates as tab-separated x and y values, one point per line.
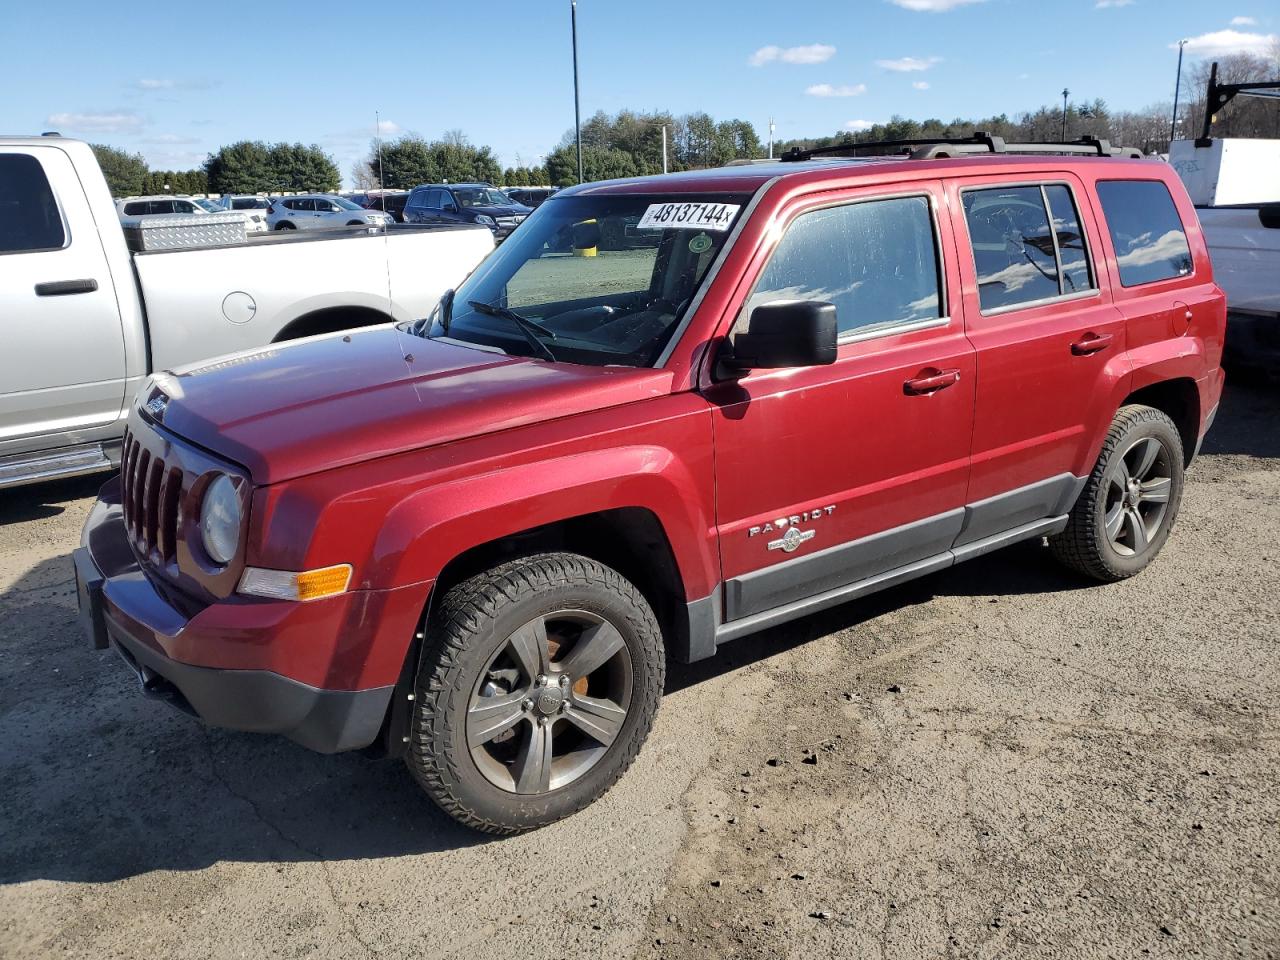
151	491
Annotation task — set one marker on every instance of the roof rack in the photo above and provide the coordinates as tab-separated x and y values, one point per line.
1220	94
937	148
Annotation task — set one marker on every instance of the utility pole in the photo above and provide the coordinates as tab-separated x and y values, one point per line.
664	148
1177	88
577	109
1065	93
771	138
377	133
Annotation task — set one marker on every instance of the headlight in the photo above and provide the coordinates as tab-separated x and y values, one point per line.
220	517
486	220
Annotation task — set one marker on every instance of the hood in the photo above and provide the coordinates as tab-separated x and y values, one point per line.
298	408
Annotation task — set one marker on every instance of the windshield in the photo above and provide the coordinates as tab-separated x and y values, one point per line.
604	280
207	205
481	197
344	203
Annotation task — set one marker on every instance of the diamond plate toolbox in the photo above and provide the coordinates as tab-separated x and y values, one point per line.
175	233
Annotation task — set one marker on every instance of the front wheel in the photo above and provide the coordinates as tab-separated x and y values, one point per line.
538	684
286	225
1128	505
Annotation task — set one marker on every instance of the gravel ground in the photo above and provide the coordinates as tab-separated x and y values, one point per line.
997	760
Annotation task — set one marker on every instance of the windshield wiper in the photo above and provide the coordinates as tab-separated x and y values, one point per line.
530	329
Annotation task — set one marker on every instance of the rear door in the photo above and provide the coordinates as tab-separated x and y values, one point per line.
830	475
1050	343
62	365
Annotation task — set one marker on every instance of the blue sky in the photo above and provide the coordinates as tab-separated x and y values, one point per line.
131	75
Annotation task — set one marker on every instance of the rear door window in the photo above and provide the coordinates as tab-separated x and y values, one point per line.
1013	249
1073	253
1146	231
876	260
29	217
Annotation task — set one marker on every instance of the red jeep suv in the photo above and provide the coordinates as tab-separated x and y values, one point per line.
666	413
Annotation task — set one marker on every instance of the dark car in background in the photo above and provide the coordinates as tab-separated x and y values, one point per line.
530	196
392	203
465	203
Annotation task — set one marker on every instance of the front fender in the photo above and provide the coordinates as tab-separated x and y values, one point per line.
430	527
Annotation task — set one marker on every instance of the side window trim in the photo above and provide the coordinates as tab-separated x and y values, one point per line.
884	328
1061	297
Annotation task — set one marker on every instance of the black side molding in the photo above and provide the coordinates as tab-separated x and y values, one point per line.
63	288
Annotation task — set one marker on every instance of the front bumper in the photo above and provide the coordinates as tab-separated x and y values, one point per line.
223	663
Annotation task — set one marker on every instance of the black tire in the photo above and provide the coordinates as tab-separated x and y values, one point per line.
286	225
474	623
1086	545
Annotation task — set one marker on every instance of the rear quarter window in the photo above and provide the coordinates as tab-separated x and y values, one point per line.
29	217
1150	241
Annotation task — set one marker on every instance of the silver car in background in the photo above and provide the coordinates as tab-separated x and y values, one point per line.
254	208
321	211
159	206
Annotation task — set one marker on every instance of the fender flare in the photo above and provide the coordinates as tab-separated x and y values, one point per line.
431	527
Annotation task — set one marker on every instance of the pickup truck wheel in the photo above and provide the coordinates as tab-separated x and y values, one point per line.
1127	507
539	681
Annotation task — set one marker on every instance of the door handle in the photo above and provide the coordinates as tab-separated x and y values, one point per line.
930	380
63	288
1091	343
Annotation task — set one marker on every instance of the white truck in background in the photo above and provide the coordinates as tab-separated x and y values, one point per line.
86	319
1235	185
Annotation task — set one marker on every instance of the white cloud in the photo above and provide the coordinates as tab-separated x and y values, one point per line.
845	90
388	128
153	84
172	139
932	6
857	126
908	64
1243	22
1104	4
921	84
117	121
813	53
1221	42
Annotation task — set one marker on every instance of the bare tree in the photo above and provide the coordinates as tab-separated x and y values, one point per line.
362	177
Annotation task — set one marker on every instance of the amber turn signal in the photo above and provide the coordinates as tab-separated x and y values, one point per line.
287	585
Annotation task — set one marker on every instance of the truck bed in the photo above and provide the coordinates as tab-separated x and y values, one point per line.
207	301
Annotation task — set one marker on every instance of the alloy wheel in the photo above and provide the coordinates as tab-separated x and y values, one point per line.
550	702
1137	496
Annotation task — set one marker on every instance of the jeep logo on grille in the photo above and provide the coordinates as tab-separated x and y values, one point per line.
156	406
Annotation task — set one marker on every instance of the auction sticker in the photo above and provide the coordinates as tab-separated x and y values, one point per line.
688	216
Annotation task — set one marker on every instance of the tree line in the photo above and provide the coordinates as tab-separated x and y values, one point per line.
244	167
1147	129
629	144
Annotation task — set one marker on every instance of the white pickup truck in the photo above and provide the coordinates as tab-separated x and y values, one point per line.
86	320
1235	185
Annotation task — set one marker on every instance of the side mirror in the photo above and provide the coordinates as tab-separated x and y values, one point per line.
450	208
786	333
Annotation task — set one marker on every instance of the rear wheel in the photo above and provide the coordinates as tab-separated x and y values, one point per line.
1128	506
538	685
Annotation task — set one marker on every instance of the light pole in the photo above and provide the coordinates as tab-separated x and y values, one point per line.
1065	93
664	148
771	138
577	110
1177	88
